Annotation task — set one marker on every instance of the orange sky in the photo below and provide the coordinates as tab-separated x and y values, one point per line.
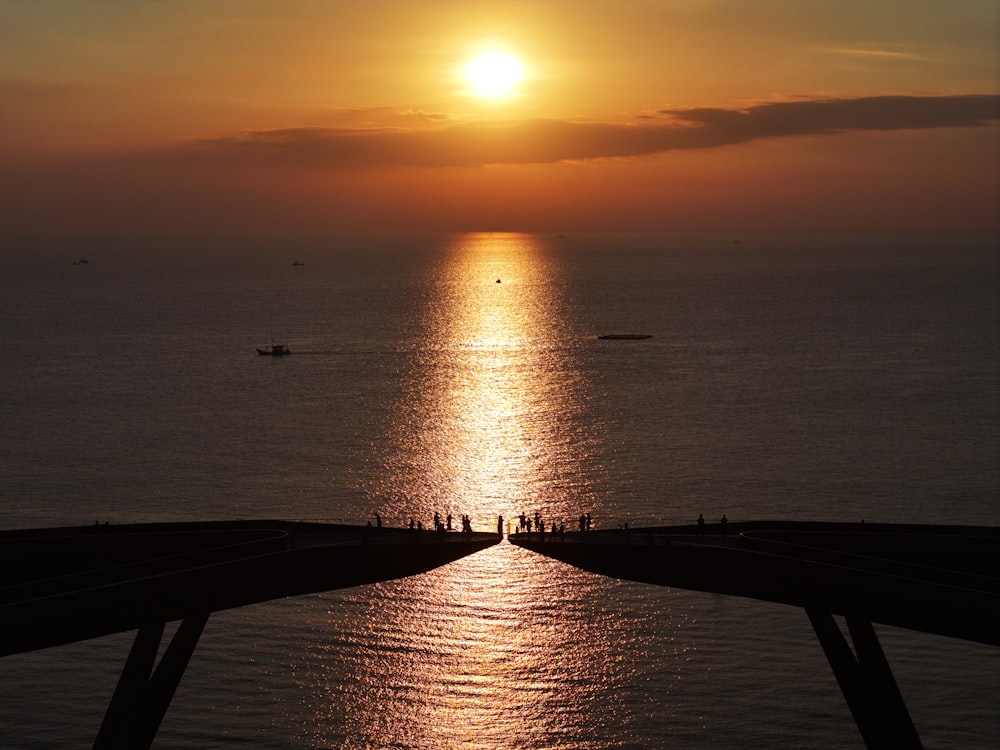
236	117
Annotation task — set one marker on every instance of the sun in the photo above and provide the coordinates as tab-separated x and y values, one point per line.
494	75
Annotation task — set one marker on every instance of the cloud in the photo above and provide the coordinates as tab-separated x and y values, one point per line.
367	117
543	141
822	116
875	53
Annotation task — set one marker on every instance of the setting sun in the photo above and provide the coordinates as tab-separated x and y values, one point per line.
494	74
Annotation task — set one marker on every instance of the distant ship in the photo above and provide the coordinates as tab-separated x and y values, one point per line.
278	350
629	336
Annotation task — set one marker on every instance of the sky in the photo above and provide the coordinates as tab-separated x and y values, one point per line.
245	117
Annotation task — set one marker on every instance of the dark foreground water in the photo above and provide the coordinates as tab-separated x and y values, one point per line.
788	377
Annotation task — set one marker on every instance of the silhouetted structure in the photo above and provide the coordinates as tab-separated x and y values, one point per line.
936	579
69	584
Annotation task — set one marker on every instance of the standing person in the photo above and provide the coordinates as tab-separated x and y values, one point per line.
722	523
701	524
500	525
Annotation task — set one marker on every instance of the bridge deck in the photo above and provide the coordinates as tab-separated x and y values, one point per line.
937	579
68	584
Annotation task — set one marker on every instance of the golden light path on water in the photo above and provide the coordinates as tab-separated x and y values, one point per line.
489	422
503	648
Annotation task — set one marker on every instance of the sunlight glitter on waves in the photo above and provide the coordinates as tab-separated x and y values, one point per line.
474	653
483	431
478	651
518	651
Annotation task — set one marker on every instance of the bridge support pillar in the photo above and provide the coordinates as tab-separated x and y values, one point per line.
866	681
143	694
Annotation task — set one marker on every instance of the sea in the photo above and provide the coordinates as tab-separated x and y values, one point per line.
810	377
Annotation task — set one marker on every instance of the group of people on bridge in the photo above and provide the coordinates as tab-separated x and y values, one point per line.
525	524
440	524
722	524
528	524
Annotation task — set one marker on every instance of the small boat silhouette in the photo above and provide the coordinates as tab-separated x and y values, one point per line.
277	350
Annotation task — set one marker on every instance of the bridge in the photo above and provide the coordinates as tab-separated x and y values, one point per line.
935	579
63	585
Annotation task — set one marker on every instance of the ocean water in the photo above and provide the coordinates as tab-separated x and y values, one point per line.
803	377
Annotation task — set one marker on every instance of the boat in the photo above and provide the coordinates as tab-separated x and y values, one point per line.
628	336
277	350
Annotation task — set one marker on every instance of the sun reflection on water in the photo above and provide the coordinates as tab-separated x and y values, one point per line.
489	421
476	654
493	650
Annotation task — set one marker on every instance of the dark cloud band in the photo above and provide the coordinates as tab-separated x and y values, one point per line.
545	141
